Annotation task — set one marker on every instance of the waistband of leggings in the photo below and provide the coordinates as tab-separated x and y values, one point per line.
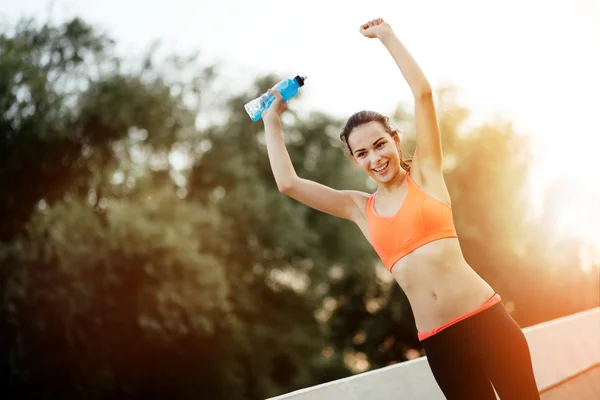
495	299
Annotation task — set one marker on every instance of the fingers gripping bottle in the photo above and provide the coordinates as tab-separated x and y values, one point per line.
288	89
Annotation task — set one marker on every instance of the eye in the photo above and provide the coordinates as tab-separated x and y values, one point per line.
380	145
361	154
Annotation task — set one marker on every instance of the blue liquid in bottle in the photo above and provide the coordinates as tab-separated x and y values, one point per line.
288	89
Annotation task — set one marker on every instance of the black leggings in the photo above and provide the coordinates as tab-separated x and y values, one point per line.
485	349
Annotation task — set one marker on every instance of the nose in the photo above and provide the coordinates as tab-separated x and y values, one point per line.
374	158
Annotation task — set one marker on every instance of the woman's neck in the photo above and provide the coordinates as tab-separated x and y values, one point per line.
392	186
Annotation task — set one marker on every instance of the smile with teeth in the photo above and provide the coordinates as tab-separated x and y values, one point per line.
382	168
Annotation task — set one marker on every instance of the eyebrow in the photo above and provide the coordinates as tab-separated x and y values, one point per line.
374	143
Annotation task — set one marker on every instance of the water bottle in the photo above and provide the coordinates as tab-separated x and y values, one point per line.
288	89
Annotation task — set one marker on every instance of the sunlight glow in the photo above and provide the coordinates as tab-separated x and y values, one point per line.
530	62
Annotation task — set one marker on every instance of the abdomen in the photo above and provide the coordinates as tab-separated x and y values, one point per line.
439	283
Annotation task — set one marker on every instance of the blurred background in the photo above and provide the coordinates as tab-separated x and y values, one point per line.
145	251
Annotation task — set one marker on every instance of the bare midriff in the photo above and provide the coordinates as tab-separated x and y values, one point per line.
439	283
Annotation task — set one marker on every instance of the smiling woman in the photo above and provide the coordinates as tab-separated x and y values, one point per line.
378	147
409	223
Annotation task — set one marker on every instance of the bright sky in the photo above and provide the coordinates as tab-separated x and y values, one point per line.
534	62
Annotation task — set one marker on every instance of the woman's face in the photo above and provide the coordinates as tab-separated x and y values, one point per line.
375	151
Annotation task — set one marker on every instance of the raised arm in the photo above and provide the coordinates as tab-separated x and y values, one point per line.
428	153
340	203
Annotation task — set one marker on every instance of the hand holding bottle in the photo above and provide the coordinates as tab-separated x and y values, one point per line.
286	89
273	113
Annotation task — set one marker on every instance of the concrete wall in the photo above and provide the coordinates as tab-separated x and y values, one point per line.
581	387
565	351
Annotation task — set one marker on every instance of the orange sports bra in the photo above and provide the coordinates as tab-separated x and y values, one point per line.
420	220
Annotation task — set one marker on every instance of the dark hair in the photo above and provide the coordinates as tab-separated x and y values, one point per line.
364	117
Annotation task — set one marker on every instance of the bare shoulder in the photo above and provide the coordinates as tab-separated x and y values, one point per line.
360	199
359	215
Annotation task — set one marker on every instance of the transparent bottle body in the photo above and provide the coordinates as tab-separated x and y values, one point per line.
288	89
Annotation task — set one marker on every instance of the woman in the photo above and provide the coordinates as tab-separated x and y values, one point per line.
472	343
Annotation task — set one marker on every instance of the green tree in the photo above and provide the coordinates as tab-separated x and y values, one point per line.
128	276
141	256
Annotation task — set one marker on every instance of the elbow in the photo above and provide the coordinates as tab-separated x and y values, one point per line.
285	188
424	91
